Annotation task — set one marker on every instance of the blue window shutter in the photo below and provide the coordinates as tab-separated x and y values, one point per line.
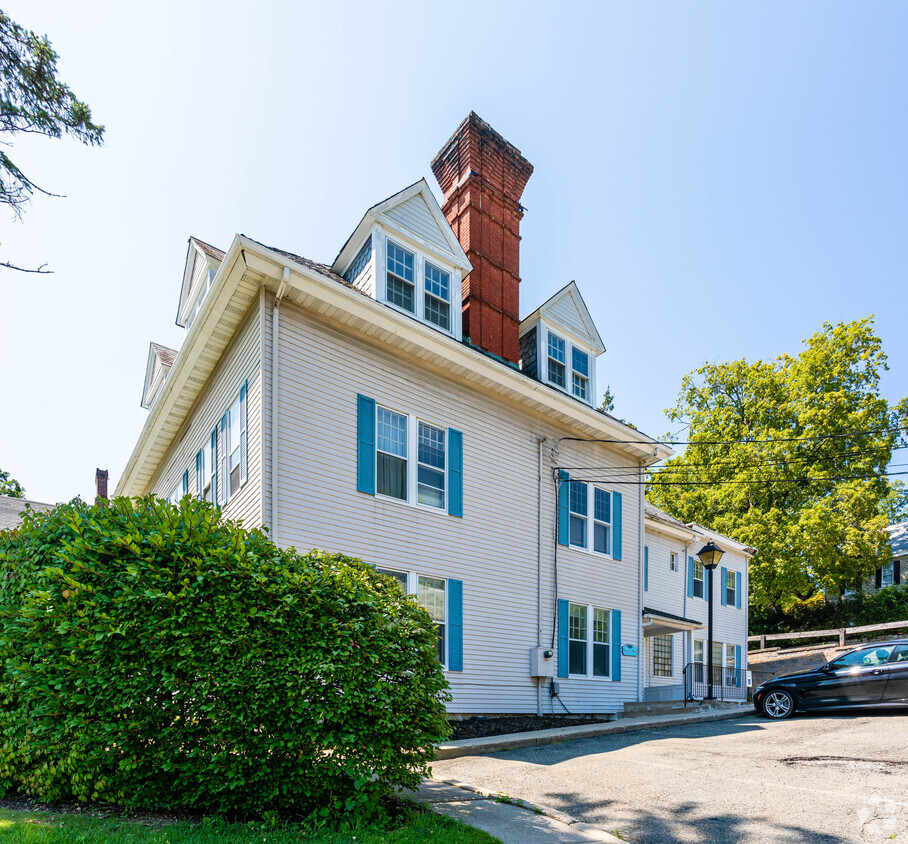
225	473
616	525
616	644
645	568
564	493
455	473
365	445
244	453
705	584
186	482
738	590
690	577
723	589
563	653
737	657
214	465
455	625
198	474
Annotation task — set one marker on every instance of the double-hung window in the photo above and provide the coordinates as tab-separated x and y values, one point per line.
729	584
205	469
232	450
402	457
430	592
557	360
585	498
699	661
178	492
886	575
602	521
730	674
673	561
391	463
393	470
437	305
662	656
430	483
589	642
401	277
431	595
579	510
580	361
698	579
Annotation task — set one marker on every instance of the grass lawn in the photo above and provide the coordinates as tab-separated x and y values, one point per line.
39	827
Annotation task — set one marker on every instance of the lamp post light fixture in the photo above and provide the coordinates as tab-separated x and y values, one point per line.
709	555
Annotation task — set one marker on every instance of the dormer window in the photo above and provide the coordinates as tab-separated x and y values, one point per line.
556	360
438	297
401	277
362	258
581	376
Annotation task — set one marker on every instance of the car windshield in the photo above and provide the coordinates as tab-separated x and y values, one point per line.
865	656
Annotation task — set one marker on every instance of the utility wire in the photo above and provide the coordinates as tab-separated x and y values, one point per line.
742	481
735	442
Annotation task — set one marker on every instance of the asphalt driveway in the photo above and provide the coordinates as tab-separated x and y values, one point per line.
813	778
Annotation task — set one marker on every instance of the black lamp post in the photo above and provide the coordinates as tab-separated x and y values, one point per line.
709	555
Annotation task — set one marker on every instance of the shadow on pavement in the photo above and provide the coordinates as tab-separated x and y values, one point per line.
691	822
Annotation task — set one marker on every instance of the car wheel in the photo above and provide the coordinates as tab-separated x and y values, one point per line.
778	704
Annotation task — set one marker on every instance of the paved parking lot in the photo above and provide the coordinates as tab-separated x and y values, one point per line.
813	778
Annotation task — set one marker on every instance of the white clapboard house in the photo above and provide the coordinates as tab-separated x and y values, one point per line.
394	406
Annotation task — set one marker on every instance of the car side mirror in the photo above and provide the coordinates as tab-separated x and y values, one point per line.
826	669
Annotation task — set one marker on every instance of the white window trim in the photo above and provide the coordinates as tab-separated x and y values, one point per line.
413	462
671	656
591	521
889	569
420	255
413	589
702	596
730	574
570	340
589	643
673	561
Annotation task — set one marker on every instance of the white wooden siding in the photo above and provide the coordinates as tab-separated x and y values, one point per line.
241	362
492	549
414	215
565	311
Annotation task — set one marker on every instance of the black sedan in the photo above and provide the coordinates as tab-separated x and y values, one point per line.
872	675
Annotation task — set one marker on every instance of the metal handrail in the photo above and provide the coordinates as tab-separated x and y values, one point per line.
727	683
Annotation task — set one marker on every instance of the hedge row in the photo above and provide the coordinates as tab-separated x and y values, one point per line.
157	656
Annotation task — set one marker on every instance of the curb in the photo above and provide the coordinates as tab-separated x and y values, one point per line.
512	741
595	833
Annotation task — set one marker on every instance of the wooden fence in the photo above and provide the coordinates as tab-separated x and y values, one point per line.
841	632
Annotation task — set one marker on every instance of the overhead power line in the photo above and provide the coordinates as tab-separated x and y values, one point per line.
741	481
843	434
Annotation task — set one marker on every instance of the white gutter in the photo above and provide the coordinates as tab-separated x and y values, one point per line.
641	661
275	387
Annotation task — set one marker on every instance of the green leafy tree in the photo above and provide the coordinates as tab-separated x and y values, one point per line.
608	401
807	505
158	656
10	486
895	505
34	101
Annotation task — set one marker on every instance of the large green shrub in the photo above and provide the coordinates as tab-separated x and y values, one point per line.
156	655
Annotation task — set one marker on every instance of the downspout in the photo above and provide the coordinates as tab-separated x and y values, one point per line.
275	383
688	655
639	624
539	680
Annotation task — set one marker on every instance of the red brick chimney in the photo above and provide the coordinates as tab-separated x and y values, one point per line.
482	178
101	476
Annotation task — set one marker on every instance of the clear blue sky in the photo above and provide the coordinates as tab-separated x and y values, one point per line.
719	178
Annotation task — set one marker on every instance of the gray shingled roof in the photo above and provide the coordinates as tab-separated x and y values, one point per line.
11	510
209	250
898	539
322	269
660	515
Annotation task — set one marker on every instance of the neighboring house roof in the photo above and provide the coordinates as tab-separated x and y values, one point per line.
898	539
11	510
653	512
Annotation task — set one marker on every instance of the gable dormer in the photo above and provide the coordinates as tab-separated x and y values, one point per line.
202	262
405	255
160	360
559	344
